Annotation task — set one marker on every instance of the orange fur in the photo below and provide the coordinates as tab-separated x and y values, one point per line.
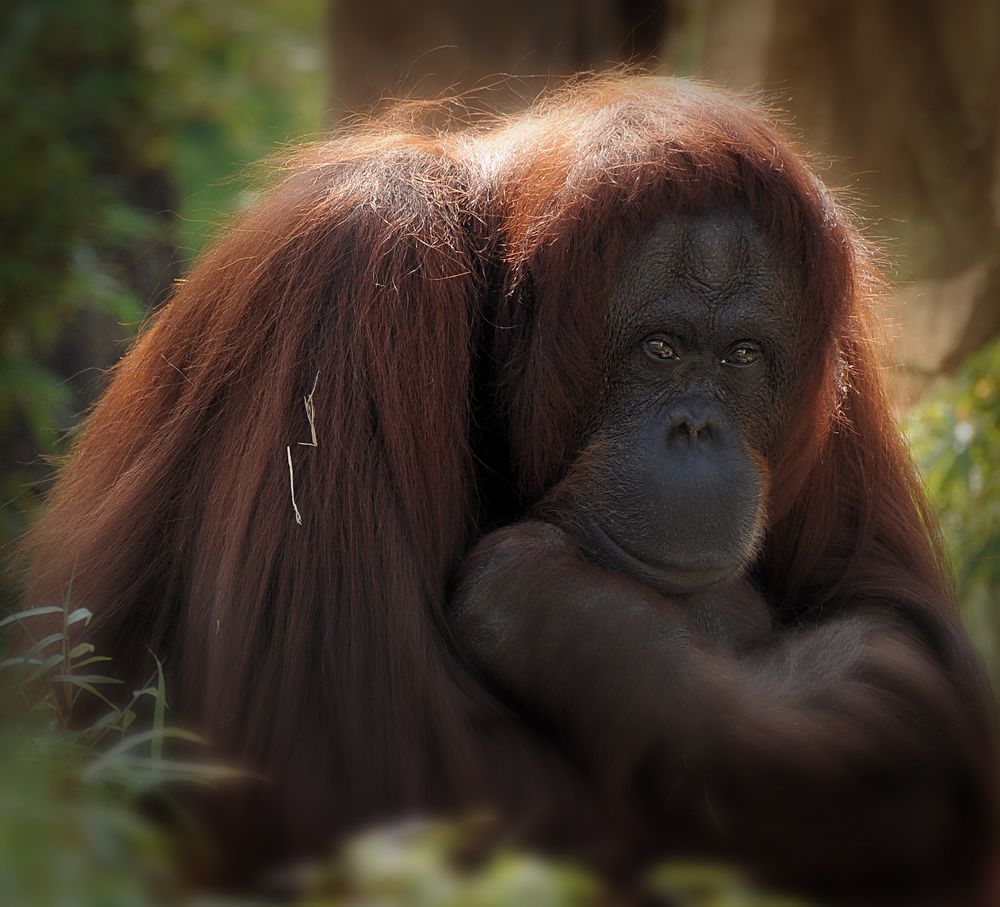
447	289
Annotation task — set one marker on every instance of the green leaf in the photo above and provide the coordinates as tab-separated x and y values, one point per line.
20	616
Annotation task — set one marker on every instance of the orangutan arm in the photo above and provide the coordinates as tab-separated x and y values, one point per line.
832	755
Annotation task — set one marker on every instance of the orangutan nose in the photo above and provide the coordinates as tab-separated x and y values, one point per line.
693	422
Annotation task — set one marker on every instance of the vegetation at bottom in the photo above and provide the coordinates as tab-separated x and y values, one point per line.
76	800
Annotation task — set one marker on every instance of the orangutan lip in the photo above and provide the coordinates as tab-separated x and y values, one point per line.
675	577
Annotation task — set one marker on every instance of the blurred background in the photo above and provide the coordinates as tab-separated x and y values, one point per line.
129	130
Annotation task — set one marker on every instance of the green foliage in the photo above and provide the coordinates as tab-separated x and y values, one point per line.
109	107
235	80
427	864
424	864
955	435
710	885
72	827
73	148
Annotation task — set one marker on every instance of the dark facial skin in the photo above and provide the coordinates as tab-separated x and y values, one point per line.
670	484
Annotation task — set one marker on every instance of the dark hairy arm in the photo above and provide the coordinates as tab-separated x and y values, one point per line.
836	755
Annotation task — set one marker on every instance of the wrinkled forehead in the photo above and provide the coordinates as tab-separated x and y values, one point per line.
711	256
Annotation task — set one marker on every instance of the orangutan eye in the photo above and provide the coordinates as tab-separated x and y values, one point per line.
658	346
742	353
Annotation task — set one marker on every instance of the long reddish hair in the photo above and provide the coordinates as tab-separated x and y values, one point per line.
353	280
440	294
